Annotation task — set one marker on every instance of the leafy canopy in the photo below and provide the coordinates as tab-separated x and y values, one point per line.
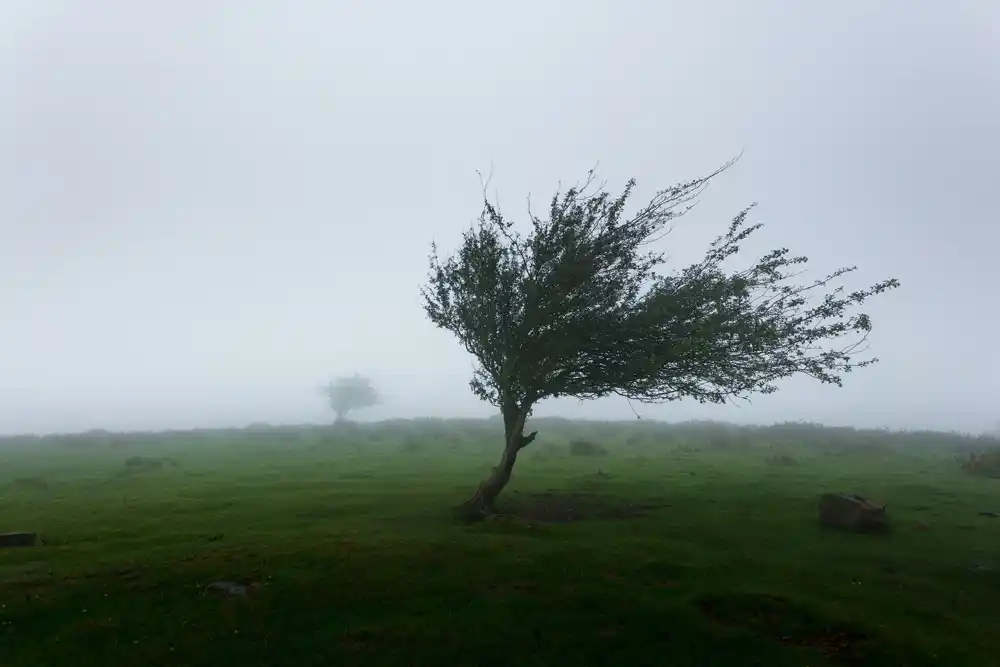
577	308
350	393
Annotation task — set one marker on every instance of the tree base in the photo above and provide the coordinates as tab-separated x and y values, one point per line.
480	506
473	510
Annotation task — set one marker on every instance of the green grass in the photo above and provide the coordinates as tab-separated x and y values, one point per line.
361	564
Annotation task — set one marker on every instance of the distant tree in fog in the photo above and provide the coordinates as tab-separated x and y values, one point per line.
349	393
576	308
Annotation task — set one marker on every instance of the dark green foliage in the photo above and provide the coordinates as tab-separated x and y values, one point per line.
350	393
546	449
586	448
783	460
657	434
577	308
413	445
984	464
724	437
140	463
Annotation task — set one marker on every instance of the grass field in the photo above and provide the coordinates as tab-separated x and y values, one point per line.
677	547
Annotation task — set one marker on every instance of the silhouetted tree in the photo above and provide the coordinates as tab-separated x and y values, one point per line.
350	393
576	308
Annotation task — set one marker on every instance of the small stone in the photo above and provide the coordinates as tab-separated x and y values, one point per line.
232	588
228	587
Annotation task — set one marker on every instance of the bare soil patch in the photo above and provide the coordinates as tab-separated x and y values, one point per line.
792	624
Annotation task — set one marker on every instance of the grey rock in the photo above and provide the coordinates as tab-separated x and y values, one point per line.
852	512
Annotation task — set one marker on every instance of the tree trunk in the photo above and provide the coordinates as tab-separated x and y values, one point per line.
482	501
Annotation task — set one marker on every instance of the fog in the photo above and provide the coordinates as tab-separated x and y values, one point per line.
207	210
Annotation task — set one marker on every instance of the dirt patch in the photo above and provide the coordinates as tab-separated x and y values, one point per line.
20	539
792	624
571	506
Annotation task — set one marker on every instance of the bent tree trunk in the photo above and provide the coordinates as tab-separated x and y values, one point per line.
482	501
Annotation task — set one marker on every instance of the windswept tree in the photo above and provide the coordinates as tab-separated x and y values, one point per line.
350	393
576	307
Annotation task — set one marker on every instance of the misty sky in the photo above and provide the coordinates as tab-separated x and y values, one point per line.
207	209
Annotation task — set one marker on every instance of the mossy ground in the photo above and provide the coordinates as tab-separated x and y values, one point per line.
670	555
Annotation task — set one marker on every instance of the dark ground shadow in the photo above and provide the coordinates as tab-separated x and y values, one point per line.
792	624
572	506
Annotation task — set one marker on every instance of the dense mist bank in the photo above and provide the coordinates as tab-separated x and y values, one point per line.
456	431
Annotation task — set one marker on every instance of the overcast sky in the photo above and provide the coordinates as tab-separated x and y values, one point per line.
207	209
